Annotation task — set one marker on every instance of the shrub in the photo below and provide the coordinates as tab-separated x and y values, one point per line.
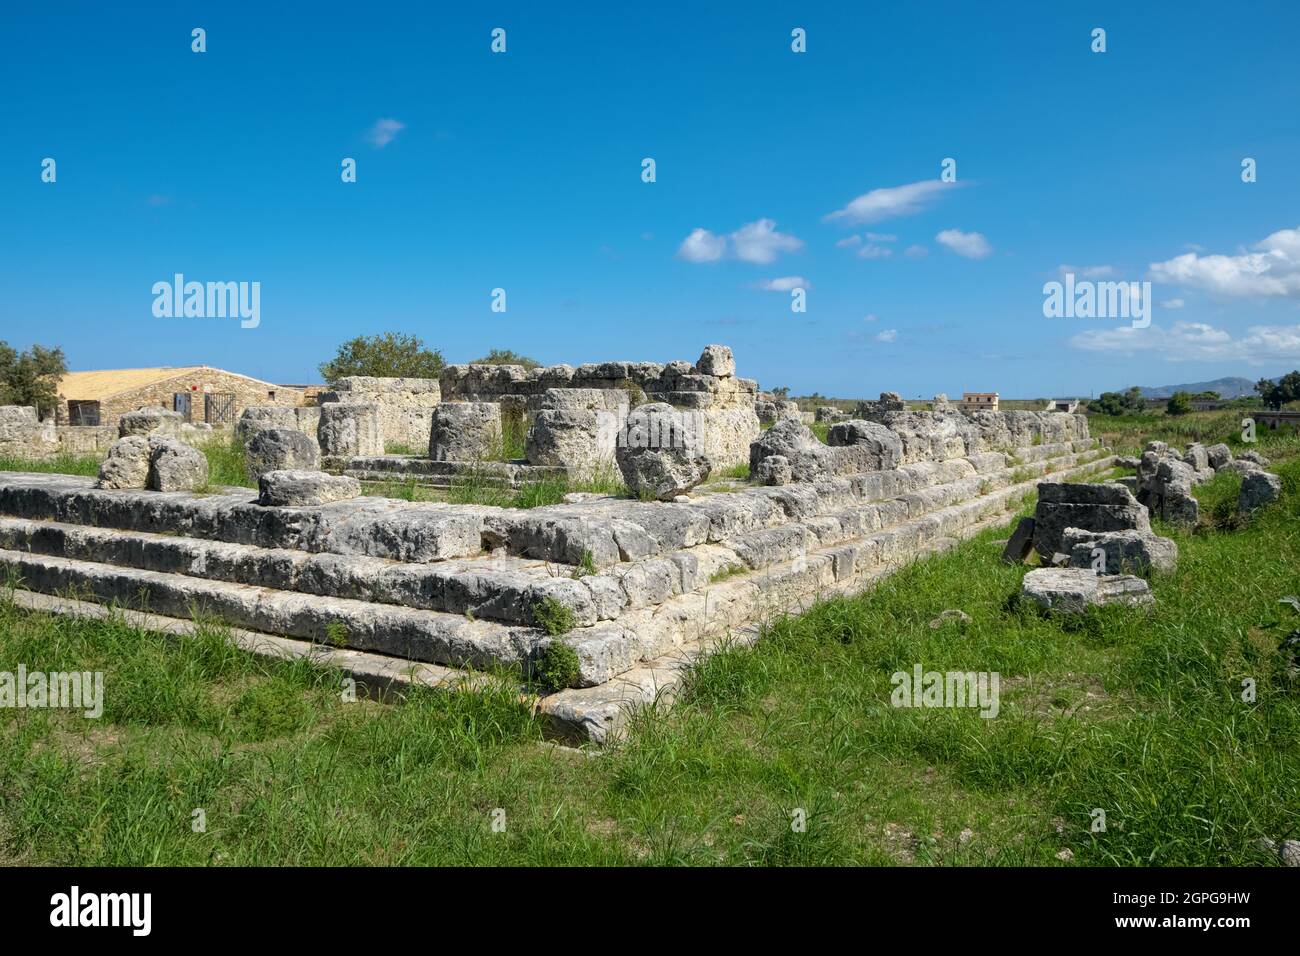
554	617
558	667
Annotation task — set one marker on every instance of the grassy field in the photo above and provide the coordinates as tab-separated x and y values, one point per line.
1137	714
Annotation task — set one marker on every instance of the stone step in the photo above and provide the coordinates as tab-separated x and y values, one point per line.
411	634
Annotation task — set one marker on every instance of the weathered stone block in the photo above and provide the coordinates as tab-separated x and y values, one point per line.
126	465
1258	489
1072	591
1123	552
175	466
278	449
465	431
1105	507
716	360
659	452
148	421
298	488
349	429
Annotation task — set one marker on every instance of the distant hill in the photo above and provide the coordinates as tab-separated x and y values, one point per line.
1231	387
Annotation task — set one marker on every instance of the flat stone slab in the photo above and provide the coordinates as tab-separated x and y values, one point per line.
1073	590
300	488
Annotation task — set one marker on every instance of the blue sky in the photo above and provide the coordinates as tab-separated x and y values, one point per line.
522	171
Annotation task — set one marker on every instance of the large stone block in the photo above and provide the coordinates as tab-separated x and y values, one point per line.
569	439
279	449
1104	507
299	488
149	421
1258	488
126	465
257	417
659	452
1072	590
350	429
175	466
716	360
465	431
1121	552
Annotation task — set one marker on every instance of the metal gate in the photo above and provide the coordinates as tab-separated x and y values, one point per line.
219	408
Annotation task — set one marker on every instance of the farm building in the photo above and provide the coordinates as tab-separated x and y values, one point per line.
978	402
199	392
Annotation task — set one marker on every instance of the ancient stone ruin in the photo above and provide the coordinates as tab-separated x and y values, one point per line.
632	588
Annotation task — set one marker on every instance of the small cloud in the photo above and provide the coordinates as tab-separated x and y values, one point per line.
384	132
881	237
890	201
757	242
849	241
916	252
785	284
871	317
1087	272
873	251
1172	304
968	245
702	246
888	335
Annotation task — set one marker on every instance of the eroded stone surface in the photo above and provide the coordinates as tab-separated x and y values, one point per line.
126	465
175	466
1107	507
279	449
659	452
465	431
299	488
1258	489
1121	552
1073	591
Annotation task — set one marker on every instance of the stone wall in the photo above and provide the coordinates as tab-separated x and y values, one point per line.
23	435
405	405
709	386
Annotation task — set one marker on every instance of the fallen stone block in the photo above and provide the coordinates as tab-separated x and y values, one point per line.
1258	489
146	421
175	466
659	453
1021	542
1254	456
126	465
1219	455
1101	507
1122	552
774	470
1072	591
300	488
716	360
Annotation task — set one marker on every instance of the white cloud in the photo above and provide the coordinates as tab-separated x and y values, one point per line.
853	240
1185	341
1272	269
760	242
1172	304
888	335
871	317
970	245
383	132
915	251
756	242
702	246
873	251
785	284
890	201
881	237
1087	272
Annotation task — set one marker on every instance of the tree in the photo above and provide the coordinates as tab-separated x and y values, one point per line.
390	355
1180	403
32	377
1276	394
1208	396
506	357
781	393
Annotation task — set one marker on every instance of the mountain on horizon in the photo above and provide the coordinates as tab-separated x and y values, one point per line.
1233	386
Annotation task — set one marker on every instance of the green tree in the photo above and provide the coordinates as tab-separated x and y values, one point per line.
1180	403
506	357
1286	389
1207	396
390	355
781	393
31	377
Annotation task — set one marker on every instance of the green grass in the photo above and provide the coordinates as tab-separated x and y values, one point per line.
58	465
1138	714
226	462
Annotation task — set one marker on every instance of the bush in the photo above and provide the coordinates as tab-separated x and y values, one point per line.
1180	403
558	667
554	617
391	355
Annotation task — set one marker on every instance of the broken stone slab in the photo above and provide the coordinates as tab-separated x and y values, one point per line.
659	452
299	488
1128	461
1258	489
465	431
349	429
1092	507
175	466
1122	552
146	421
1072	590
126	465
1254	456
280	449
1020	543
568	439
